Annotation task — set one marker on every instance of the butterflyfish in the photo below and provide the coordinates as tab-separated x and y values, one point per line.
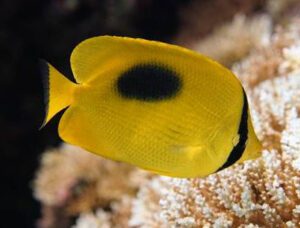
157	106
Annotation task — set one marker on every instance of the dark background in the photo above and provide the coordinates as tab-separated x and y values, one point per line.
50	29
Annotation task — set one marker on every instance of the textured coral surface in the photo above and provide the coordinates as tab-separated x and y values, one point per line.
258	193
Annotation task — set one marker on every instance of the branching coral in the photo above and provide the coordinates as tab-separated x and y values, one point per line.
199	18
228	42
118	216
235	39
277	58
79	180
73	181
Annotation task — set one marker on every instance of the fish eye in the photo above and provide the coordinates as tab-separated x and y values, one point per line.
149	82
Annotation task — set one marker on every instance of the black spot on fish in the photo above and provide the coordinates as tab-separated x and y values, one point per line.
149	82
239	149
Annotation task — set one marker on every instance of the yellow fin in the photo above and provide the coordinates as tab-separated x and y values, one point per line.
94	55
58	91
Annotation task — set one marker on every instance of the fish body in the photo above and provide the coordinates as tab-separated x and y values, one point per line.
158	106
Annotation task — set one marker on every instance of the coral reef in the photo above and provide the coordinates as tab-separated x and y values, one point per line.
260	193
68	172
71	181
241	32
200	18
118	216
225	46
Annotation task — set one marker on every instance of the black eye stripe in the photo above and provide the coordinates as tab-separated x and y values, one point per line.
149	82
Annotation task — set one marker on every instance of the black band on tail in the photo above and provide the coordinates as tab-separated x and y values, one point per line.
44	69
238	150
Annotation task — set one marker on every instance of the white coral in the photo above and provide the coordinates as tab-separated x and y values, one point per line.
235	39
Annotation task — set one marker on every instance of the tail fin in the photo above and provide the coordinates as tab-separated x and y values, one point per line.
58	91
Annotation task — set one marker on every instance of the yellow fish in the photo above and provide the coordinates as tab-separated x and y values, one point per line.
158	106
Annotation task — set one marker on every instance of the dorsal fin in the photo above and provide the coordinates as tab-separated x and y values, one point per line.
93	55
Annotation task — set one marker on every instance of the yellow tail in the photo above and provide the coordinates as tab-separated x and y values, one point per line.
58	91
